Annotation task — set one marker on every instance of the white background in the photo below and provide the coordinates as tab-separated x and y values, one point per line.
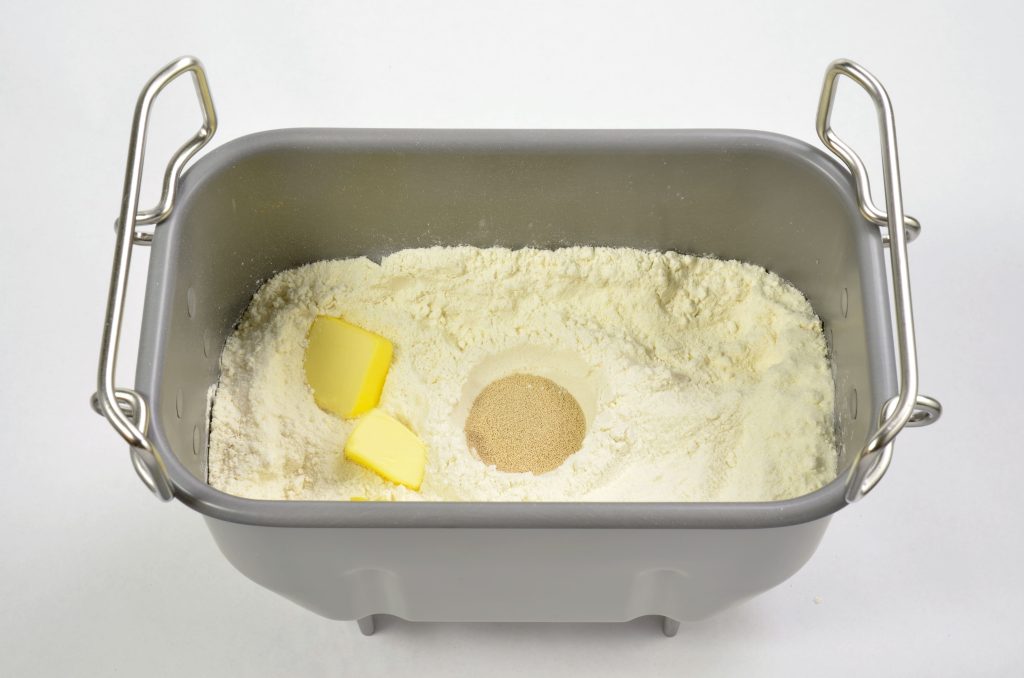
923	578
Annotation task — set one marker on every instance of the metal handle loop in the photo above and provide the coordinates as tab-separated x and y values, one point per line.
907	408
849	156
126	409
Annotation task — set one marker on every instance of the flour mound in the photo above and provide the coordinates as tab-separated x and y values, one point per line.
701	380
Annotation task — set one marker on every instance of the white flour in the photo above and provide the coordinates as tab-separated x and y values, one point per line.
702	380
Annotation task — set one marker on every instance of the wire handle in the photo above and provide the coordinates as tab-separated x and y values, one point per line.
908	407
124	408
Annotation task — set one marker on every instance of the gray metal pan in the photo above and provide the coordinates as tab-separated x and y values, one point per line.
274	200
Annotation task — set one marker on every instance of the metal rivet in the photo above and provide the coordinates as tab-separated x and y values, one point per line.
190	302
197	439
207	343
853	403
844	302
179	403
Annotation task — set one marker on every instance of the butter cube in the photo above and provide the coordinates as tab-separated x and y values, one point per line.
384	445
346	366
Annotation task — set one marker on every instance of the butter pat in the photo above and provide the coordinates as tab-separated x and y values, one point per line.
384	445
346	366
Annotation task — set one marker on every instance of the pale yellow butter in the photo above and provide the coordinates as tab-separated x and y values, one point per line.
346	366
384	445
